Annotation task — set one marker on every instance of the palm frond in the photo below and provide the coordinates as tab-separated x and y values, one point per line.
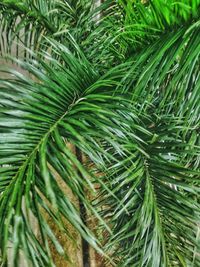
70	103
24	22
28	23
158	225
169	79
145	21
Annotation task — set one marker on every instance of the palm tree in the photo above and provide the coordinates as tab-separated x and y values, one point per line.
121	83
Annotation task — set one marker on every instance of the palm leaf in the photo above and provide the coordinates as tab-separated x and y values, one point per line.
26	24
158	225
145	21
70	103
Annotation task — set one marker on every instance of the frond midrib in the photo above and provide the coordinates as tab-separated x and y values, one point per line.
36	148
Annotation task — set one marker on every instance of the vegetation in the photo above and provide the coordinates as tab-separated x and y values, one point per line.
120	82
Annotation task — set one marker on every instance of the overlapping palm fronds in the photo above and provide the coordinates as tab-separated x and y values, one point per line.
124	89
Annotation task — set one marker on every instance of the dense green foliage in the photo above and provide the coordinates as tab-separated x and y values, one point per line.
120	82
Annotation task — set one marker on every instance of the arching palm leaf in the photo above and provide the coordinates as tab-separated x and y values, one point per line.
70	103
159	183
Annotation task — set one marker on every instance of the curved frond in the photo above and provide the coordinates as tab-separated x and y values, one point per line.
159	223
144	22
67	103
27	24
